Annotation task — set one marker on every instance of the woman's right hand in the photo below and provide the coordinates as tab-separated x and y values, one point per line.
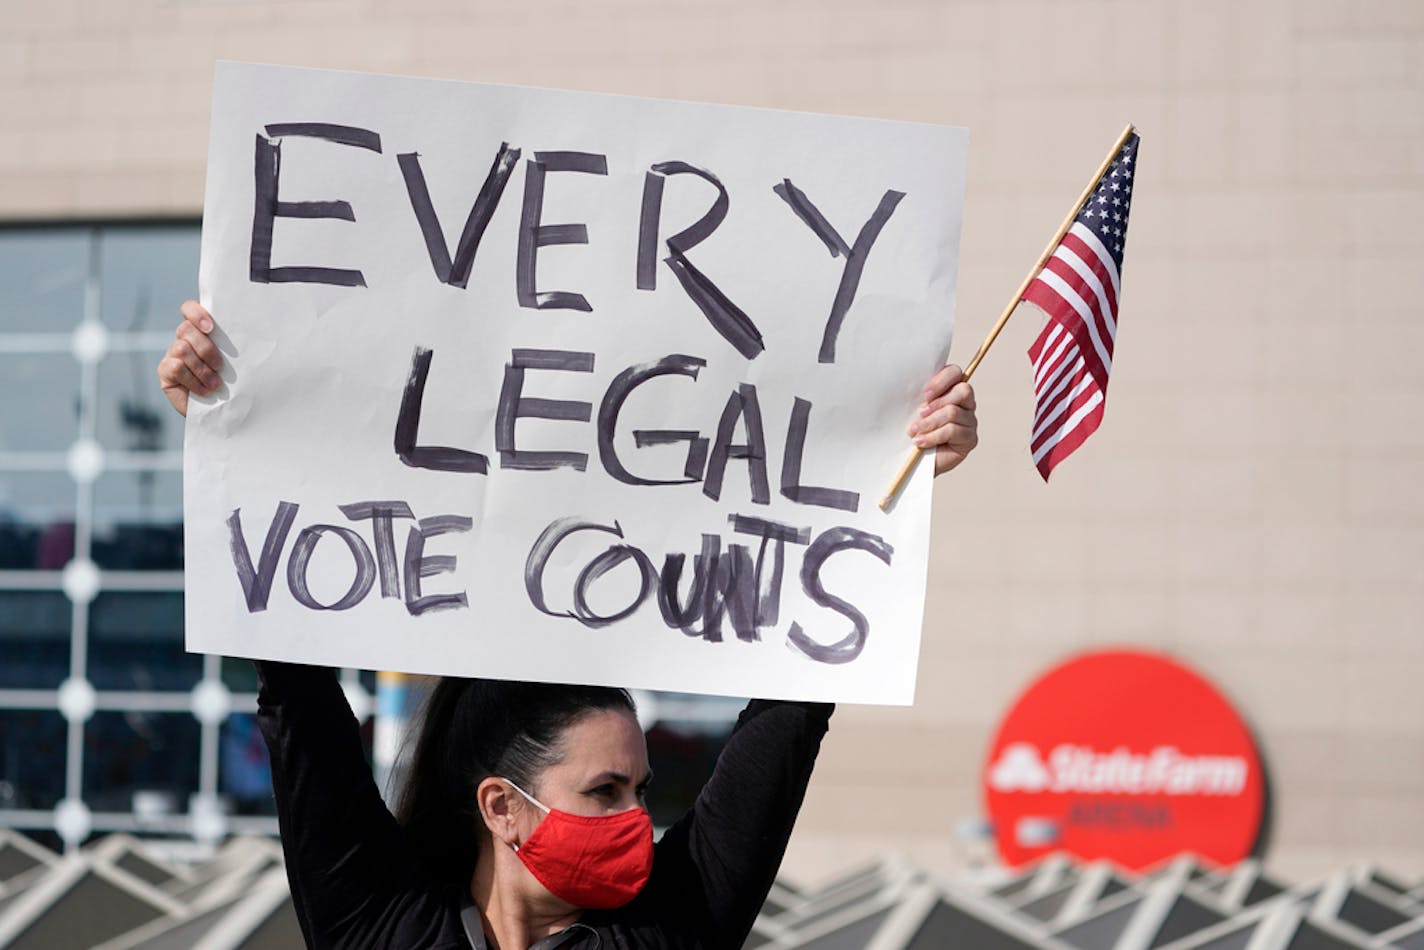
192	362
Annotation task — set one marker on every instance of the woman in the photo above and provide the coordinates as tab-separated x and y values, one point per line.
522	824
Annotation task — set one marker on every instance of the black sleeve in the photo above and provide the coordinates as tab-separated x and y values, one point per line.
716	864
343	849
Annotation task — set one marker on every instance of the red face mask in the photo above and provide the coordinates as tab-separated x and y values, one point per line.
597	862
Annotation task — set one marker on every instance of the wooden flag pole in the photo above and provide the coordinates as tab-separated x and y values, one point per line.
914	455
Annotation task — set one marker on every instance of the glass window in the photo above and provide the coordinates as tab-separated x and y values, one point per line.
138	521
34	638
681	756
153	755
32	744
42	275
144	274
133	415
244	769
136	642
36	520
239	675
132	277
39	402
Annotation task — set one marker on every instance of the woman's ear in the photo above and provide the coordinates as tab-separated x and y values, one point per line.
497	809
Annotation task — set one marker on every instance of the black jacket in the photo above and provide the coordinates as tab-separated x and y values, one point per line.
356	883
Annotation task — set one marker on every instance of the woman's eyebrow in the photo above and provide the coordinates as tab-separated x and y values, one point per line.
619	778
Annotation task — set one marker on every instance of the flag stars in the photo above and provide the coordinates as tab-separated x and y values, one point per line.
1105	212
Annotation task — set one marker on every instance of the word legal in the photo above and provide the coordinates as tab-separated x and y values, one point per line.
704	461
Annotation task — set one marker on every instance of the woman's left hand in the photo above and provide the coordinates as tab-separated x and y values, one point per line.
946	421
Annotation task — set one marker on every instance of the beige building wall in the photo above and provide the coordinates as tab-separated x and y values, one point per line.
1250	505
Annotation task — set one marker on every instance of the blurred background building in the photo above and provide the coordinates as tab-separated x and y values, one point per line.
1250	506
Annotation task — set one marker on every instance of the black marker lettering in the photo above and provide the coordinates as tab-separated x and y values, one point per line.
696	462
456	273
301	555
618	391
381	514
257	584
725	317
437	458
267	207
741	404
543	548
723	585
854	256
419	565
605	562
513	406
534	235
791	486
648	219
701	592
340	134
737	586
775	535
675	612
827	543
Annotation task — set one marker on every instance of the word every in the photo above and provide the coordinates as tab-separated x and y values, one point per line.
454	269
728	584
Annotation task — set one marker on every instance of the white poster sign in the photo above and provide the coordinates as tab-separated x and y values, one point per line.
566	387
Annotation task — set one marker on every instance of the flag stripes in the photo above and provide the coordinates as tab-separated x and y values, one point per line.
1078	289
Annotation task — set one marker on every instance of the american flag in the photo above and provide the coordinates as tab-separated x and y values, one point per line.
1079	290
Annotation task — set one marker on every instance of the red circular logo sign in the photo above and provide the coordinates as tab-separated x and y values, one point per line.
1125	756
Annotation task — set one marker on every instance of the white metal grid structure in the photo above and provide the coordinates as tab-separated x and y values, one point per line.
31	448
117	895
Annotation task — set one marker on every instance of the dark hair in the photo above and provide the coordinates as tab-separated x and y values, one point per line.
471	729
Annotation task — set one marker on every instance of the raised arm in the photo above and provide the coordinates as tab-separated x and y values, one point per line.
719	860
344	851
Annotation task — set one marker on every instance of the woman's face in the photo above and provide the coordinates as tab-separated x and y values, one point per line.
604	769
